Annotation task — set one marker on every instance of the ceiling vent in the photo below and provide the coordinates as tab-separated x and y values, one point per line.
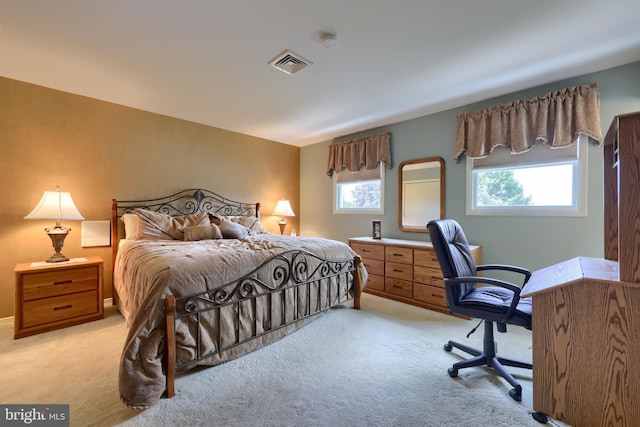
289	62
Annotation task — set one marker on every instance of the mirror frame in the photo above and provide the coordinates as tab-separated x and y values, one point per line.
401	195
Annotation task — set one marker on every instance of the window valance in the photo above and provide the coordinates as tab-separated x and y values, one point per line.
368	151
556	119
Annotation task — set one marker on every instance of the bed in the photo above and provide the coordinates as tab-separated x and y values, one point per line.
200	283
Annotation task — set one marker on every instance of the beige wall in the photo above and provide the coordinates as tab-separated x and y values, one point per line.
99	151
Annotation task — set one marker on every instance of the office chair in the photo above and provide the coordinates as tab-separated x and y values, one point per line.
495	301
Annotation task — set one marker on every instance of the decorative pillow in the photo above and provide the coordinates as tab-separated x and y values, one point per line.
252	223
130	225
202	232
229	229
160	226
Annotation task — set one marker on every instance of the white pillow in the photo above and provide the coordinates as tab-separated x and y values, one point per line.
130	225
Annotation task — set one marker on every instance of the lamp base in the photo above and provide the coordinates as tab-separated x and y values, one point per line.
58	257
282	223
57	235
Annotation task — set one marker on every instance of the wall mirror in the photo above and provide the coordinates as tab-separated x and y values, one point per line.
421	193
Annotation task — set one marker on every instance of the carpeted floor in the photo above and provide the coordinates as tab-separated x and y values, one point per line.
383	365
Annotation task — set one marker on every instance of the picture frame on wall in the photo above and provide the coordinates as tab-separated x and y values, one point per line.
377	229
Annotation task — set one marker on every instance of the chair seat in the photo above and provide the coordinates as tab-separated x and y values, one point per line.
492	303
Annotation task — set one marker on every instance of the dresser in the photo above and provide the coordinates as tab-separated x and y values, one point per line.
51	296
405	270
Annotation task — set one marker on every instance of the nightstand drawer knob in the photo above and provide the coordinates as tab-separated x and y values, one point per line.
62	307
63	282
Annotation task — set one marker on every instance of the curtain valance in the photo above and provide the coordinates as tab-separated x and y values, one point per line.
353	155
556	119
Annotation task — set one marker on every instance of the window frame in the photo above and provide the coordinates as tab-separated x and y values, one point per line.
540	155
358	211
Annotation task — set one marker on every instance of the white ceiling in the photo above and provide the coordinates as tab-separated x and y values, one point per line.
207	60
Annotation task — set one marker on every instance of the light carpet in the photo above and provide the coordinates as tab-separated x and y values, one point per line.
383	365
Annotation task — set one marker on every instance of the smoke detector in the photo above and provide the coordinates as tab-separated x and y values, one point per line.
289	62
328	40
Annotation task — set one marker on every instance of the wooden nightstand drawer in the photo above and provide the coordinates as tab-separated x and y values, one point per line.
52	283
398	287
398	254
55	309
368	251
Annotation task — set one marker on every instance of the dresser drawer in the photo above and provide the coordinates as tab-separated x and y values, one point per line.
368	251
430	294
53	283
425	258
374	266
428	276
399	271
375	282
54	309
398	254
398	287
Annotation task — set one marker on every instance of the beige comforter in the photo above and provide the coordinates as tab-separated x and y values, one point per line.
147	271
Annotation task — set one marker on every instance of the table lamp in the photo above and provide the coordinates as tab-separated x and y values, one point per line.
283	208
56	205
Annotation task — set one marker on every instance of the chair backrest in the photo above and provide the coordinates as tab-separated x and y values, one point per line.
454	255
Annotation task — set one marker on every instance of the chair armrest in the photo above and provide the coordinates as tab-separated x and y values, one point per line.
512	268
487	281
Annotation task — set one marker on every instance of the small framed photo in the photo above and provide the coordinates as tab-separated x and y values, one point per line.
377	229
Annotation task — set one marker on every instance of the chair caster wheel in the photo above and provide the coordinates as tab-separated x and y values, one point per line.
452	372
448	347
516	394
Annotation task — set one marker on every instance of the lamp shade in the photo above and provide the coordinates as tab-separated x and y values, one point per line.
56	205
283	208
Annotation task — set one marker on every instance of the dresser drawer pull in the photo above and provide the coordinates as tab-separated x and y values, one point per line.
63	282
398	255
62	307
398	271
398	287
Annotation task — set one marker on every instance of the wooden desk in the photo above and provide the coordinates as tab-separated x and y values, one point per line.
586	343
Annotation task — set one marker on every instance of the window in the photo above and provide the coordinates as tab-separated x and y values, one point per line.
359	192
540	182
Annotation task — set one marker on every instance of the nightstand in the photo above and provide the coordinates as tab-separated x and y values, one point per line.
51	296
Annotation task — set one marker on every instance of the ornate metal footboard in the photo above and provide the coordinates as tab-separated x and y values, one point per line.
284	290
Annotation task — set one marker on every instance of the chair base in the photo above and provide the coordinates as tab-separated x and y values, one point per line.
488	358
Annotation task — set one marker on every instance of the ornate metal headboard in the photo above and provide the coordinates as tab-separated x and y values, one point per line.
183	203
188	202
